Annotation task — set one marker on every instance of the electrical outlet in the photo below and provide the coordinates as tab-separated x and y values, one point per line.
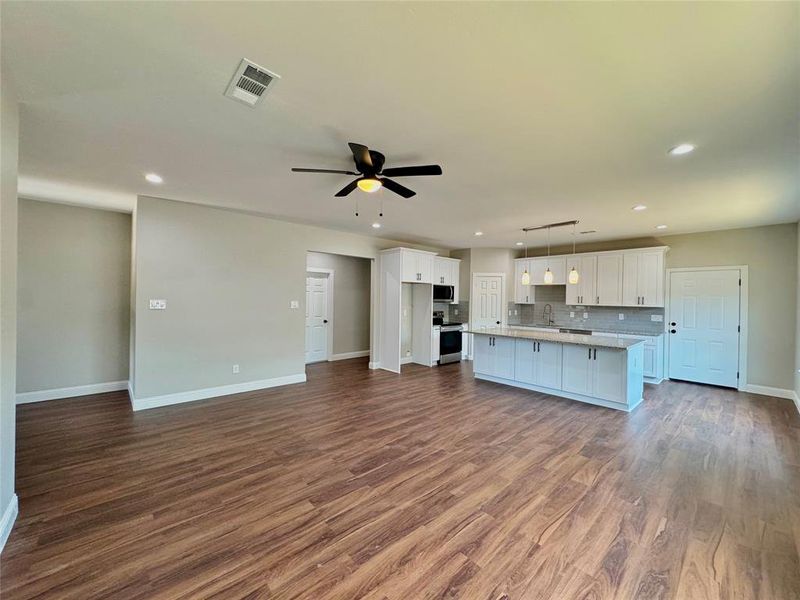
585	315
572	314
235	369
657	318
455	311
158	304
515	312
294	304
621	316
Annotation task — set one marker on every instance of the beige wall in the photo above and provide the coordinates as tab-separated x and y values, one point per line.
9	141
351	298
495	260
797	328
771	254
74	296
228	279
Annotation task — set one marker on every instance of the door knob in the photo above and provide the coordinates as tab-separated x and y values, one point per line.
673	323
324	320
498	322
672	331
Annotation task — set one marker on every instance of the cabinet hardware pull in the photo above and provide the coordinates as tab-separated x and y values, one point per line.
598	300
590	354
595	353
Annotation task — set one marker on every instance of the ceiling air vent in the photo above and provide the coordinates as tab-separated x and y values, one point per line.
250	83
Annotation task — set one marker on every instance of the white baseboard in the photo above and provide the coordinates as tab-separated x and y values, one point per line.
347	355
71	392
7	520
765	390
222	390
406	360
796	399
374	365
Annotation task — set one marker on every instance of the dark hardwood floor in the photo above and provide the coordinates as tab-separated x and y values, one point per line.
363	484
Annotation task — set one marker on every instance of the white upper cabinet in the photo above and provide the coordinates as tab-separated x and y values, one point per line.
417	266
617	278
558	267
585	291
643	278
609	279
523	294
446	272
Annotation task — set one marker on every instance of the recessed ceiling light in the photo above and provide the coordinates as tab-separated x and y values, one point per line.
154	178
661	226
681	149
519	243
639	207
478	233
376	225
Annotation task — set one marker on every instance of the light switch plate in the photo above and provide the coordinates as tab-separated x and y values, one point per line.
621	316
158	304
294	304
657	318
235	369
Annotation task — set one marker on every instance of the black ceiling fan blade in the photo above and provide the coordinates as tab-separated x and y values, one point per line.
412	171
361	155
395	187
347	189
303	170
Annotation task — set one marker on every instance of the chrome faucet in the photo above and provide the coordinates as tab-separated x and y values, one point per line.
547	314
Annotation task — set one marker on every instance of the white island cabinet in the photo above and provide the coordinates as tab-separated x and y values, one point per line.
598	370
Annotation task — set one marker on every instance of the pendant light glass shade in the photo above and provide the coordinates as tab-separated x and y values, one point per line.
573	273
526	278
548	276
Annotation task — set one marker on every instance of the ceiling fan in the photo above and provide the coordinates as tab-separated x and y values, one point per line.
371	174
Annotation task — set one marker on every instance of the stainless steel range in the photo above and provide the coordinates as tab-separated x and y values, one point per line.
449	338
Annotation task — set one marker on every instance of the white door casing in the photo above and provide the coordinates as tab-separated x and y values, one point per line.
317	321
705	307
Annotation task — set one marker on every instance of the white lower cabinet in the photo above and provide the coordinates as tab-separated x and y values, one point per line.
596	372
494	356
538	363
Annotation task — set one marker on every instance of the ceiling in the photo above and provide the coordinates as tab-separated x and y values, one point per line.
537	112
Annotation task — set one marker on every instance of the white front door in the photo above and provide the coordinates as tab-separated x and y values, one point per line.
316	317
487	299
703	326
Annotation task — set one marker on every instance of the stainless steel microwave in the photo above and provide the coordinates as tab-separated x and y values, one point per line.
444	293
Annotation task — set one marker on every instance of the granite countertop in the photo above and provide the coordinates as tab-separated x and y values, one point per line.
598	329
555	336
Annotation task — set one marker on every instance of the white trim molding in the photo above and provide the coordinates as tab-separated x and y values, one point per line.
374	364
222	390
503	296
7	520
72	392
331	275
346	355
765	390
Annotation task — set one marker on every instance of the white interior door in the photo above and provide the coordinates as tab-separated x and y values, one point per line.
487	296
703	326
316	317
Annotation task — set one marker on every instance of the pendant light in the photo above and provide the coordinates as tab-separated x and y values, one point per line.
573	273
548	274
526	277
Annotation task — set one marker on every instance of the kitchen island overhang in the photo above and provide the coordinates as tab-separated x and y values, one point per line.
597	370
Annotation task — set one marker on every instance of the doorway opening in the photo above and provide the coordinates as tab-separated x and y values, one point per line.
338	307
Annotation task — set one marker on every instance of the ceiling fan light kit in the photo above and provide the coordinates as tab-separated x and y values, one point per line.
371	174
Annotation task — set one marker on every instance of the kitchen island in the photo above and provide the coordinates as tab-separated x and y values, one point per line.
594	369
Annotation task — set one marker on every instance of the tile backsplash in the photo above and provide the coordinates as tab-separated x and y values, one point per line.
450	310
600	318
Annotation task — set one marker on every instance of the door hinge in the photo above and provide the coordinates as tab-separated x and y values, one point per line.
737	374
740	282
739	328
